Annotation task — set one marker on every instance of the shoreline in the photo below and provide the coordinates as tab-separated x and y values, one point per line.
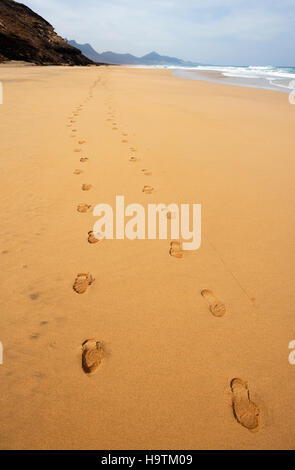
209	76
217	77
235	76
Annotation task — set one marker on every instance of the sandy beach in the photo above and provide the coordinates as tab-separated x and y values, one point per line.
164	381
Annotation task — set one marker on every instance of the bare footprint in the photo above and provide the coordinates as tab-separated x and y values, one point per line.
92	354
217	308
82	282
74	130
146	172
124	141
133	159
83	207
86	187
78	172
81	142
84	159
245	411
78	150
147	189
94	237
176	249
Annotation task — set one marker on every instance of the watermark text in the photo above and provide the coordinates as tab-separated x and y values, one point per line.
292	353
133	222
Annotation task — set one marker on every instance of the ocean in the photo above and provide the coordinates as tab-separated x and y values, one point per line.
266	77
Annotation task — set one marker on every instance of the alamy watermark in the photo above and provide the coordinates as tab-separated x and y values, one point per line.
292	93
184	222
292	353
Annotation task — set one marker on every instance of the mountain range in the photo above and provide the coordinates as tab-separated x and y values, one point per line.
109	57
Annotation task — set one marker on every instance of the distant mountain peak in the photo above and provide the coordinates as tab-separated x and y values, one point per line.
152	54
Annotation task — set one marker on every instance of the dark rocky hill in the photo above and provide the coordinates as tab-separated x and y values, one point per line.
26	36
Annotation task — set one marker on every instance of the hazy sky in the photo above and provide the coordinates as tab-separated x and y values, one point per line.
256	32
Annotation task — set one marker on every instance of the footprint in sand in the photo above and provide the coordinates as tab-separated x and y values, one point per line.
147	189
83	207
86	187
94	237
176	249
217	308
78	150
245	411
132	159
84	159
81	142
92	355
69	125
124	141
74	130
125	135
82	282
146	172
78	172
115	128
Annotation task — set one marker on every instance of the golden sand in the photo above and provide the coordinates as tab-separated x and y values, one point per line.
195	345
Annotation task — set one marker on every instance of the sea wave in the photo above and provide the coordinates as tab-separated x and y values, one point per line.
275	75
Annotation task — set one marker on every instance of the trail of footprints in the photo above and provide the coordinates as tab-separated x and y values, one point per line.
245	411
92	350
147	189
